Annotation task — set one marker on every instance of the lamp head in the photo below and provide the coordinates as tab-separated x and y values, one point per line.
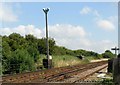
45	10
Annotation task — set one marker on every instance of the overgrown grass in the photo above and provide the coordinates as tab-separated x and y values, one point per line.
62	60
92	58
65	60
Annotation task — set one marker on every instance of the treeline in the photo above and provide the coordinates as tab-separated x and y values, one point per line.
20	54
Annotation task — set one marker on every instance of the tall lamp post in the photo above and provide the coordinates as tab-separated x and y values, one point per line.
47	41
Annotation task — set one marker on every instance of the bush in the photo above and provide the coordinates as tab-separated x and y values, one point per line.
108	54
21	61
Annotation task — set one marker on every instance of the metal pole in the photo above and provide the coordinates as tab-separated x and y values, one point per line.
116	52
47	41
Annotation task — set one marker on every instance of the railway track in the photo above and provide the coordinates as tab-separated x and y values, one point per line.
80	77
77	74
52	75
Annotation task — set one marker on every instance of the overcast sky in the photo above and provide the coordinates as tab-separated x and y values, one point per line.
79	25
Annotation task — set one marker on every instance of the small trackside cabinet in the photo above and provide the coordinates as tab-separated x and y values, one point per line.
110	65
47	63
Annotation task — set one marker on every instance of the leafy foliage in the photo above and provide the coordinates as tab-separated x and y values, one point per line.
21	61
108	54
20	54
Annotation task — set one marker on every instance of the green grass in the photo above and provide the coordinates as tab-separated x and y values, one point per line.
65	60
91	58
62	60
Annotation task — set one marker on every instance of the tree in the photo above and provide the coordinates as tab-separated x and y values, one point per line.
108	54
31	39
15	41
18	53
34	53
6	55
51	45
42	46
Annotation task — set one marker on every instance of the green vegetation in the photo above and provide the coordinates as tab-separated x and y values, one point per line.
22	54
106	82
108	54
66	60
